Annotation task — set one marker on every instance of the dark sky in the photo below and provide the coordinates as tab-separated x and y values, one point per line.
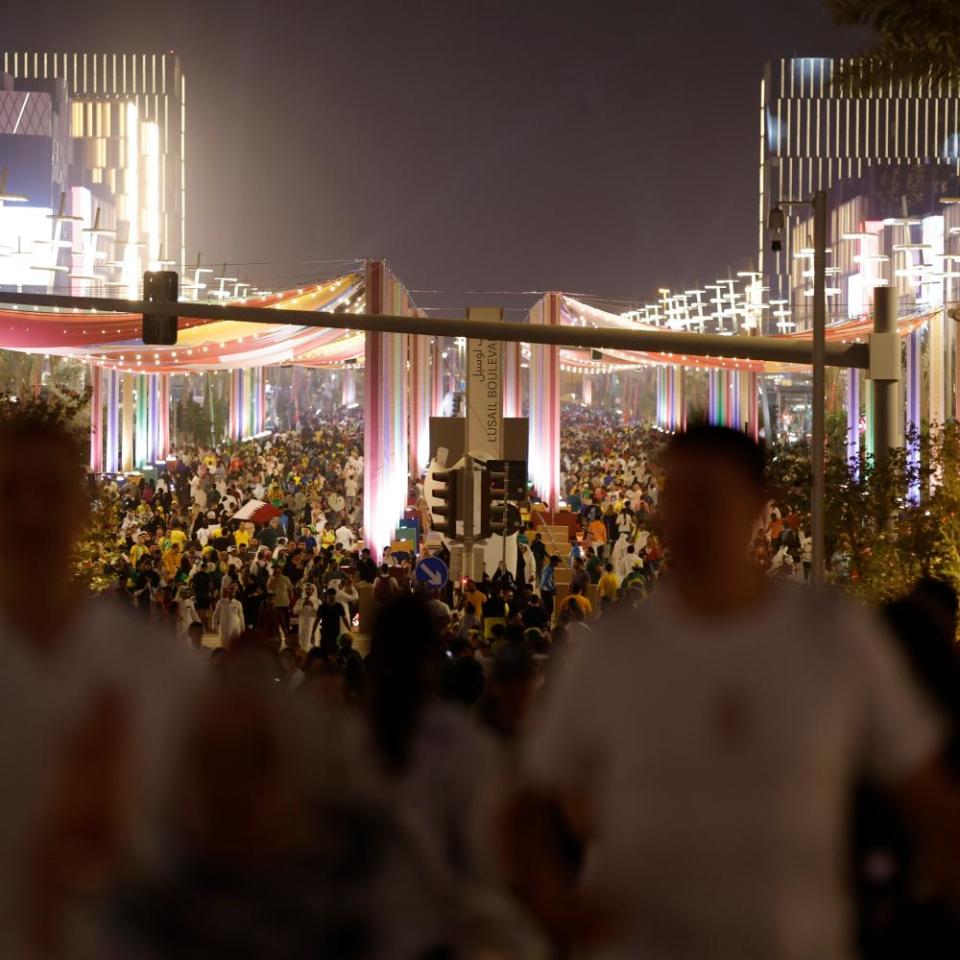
606	147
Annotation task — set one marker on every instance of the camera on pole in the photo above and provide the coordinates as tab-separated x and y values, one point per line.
160	286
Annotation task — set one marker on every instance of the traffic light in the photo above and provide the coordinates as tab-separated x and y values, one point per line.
503	481
161	286
440	490
515	477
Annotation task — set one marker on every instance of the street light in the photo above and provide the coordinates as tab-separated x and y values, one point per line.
776	224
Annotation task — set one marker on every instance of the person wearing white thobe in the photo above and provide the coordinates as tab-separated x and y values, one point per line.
186	614
529	567
228	618
305	610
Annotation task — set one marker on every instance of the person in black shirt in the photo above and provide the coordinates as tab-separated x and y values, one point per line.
202	584
534	615
496	606
331	622
366	568
223	540
539	550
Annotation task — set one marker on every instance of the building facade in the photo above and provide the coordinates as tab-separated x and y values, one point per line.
97	145
886	154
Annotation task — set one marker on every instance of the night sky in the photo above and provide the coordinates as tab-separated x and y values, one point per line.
609	148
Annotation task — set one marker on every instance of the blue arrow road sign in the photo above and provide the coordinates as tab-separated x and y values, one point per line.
432	571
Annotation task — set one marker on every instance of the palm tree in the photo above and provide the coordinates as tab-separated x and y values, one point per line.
913	40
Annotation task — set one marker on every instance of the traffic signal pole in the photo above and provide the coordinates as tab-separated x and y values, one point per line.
506	525
469	486
670	342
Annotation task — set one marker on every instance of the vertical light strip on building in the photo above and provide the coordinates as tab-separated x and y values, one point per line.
131	259
151	189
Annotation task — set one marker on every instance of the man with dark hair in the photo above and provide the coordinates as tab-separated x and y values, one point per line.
548	586
580	579
331	622
539	550
90	700
713	760
385	587
609	587
366	568
534	616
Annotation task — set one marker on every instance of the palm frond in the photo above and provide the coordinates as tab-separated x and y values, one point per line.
914	41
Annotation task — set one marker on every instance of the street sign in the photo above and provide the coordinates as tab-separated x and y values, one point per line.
484	375
432	571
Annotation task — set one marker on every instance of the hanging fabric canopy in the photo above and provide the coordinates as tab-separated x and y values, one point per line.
113	341
575	313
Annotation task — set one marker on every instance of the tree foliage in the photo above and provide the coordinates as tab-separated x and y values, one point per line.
887	523
911	40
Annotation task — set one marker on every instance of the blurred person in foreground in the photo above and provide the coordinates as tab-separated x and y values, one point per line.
89	701
900	915
690	789
445	772
285	842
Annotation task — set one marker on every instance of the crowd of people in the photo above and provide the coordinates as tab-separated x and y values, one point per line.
182	555
610	478
182	558
670	775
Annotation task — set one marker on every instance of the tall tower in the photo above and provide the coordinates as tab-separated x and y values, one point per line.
126	116
896	145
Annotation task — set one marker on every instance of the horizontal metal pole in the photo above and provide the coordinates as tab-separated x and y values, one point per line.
771	349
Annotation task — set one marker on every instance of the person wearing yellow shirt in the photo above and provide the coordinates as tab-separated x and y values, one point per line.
474	596
171	563
178	537
242	535
575	598
609	586
138	549
328	538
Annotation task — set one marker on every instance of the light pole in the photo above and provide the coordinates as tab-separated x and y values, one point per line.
776	225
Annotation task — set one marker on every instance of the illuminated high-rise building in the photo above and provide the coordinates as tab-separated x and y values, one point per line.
886	153
111	130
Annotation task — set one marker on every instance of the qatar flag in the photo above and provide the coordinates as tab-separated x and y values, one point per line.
257	512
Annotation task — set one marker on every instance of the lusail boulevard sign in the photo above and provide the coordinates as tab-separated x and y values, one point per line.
484	362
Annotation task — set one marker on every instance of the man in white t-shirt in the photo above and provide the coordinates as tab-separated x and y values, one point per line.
706	755
91	700
350	486
345	537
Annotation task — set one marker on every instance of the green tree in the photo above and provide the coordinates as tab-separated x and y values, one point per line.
887	523
194	420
